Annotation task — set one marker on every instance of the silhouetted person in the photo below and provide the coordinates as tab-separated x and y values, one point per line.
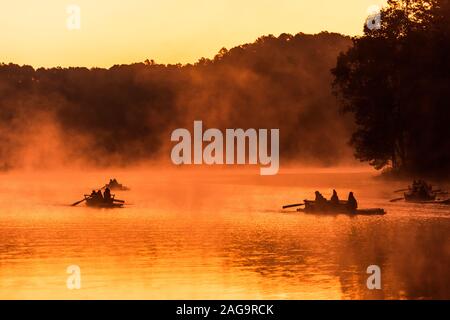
93	194
352	204
334	198
99	195
319	197
415	185
107	195
320	202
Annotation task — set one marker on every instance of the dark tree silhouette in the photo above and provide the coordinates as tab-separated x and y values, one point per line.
395	80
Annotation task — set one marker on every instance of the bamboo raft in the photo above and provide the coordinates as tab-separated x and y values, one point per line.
328	208
95	203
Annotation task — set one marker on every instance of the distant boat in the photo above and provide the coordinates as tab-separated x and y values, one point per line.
420	192
114	185
437	201
415	197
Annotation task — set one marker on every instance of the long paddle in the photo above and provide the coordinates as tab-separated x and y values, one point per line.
117	200
78	202
396	199
293	205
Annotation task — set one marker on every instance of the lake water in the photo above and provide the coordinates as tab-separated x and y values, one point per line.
209	234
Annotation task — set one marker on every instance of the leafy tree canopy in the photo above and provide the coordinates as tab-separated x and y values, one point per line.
395	80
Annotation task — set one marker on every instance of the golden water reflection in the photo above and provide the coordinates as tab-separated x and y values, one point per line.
190	235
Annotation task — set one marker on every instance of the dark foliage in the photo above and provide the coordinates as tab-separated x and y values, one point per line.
126	113
396	81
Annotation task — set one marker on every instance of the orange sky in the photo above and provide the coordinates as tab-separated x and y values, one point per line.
168	31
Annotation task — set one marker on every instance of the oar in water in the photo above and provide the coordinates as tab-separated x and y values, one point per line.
396	199
117	200
78	202
401	190
293	205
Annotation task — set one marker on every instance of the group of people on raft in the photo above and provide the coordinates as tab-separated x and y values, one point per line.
334	203
114	185
97	196
421	189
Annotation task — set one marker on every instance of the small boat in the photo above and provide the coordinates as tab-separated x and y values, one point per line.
341	208
436	201
361	212
90	202
420	192
113	185
417	197
117	188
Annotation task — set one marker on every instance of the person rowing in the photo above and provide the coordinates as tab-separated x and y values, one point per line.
107	195
99	195
334	198
320	201
352	204
96	195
